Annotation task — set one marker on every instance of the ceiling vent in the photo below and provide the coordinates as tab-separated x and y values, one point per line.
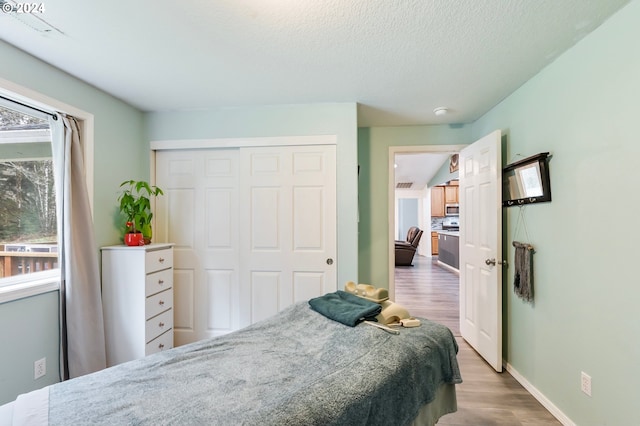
29	14
404	185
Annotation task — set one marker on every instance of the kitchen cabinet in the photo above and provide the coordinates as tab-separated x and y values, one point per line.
451	194
137	300
448	249
437	201
434	243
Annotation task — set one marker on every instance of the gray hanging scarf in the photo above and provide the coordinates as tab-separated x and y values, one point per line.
523	276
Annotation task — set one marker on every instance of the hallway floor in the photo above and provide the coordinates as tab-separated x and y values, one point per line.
485	397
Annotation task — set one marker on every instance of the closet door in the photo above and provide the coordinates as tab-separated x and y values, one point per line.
287	227
254	231
199	214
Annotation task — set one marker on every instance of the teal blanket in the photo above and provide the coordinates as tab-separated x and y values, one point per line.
296	368
345	308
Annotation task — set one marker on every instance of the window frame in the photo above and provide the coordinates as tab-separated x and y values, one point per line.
19	287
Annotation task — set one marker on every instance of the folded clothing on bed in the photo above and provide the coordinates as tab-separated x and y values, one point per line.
345	308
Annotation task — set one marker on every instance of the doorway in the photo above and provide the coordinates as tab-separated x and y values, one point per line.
480	284
436	151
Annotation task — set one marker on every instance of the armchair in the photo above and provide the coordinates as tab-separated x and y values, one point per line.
405	250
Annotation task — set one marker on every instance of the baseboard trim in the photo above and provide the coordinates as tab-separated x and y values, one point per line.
449	267
555	411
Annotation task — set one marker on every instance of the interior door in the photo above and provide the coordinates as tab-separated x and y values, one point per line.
199	214
481	248
288	229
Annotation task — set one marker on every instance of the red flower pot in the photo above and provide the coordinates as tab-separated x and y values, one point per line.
134	239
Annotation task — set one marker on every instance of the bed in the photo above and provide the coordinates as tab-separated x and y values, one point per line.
296	368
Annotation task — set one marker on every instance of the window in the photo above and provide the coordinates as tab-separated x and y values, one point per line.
28	222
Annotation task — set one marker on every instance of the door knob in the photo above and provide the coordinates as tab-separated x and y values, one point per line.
492	262
329	261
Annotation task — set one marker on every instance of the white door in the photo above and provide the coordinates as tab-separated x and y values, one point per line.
288	230
253	229
481	248
199	214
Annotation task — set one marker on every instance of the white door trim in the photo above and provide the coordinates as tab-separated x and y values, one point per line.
393	150
244	142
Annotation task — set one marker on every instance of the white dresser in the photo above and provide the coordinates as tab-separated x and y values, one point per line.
137	299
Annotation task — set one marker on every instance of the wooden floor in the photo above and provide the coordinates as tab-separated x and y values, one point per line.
485	397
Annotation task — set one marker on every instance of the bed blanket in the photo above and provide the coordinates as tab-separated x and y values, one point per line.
296	368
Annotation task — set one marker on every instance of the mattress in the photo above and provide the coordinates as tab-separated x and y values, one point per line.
297	367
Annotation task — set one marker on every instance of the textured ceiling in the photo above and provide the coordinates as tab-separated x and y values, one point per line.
398	59
418	168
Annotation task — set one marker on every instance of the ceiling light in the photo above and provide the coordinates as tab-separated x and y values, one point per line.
441	111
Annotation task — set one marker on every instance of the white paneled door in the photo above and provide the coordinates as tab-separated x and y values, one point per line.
199	214
254	231
288	236
481	248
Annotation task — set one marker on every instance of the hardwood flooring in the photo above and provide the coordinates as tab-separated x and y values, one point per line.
485	397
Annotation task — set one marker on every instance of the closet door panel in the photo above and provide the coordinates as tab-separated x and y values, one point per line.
199	213
290	193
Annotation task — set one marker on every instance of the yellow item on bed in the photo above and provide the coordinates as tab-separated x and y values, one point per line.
391	313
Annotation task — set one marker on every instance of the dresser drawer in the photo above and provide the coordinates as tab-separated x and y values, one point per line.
158	325
161	343
158	303
158	281
158	259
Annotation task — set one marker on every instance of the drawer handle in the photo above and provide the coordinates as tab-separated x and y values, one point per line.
160	282
161	302
161	260
161	325
161	346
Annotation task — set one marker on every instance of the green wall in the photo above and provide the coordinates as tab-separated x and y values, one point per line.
30	332
584	109
338	119
373	158
120	153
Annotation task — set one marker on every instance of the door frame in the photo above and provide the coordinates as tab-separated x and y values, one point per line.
393	150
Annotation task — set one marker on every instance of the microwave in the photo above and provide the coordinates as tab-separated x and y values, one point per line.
451	209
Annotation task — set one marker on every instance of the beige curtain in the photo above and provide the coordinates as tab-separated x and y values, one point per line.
82	326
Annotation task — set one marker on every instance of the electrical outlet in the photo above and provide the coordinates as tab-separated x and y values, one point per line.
39	368
585	383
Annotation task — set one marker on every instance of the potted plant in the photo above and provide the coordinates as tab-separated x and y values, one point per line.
135	204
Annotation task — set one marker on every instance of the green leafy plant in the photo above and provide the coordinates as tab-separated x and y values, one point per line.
135	204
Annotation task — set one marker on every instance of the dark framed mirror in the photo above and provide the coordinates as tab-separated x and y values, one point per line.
526	181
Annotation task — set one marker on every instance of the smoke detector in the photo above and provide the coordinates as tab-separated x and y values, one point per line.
440	111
